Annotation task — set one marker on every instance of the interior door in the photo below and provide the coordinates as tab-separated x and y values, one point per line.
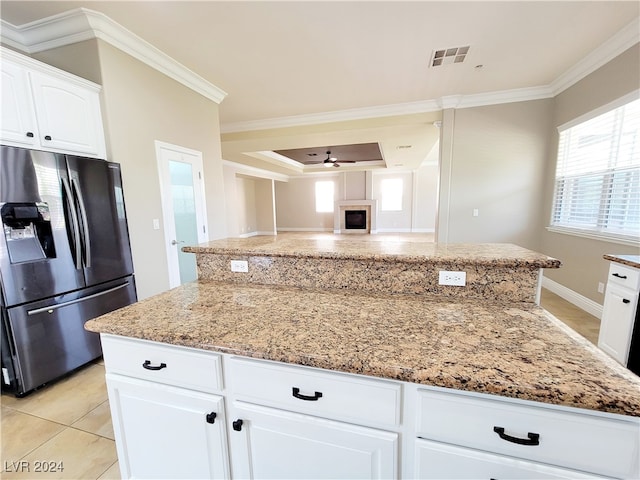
183	208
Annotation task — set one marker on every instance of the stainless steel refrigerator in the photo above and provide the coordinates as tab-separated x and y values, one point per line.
64	258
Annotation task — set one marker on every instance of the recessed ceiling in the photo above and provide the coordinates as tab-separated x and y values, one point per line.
364	154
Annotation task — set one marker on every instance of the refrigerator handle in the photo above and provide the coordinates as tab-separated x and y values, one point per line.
85	223
75	228
51	308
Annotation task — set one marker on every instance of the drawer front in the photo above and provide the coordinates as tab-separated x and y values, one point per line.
168	364
313	392
441	461
581	441
624	276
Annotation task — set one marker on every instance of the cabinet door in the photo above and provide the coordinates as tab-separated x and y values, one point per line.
442	461
618	315
68	115
273	443
167	432
18	122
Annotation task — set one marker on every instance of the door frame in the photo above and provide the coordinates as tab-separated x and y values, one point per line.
164	178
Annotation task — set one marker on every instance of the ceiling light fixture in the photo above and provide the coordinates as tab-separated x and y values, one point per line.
330	161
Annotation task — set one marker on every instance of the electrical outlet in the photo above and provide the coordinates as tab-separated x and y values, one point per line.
600	287
457	279
239	266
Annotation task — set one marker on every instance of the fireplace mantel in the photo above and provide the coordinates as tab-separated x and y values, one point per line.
371	207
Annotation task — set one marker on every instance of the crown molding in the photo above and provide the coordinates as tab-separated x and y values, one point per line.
621	41
83	24
255	172
334	116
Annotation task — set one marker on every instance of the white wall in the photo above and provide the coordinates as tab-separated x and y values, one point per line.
295	200
141	105
496	163
296	204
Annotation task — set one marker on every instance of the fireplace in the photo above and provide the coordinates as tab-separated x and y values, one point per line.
355	219
355	216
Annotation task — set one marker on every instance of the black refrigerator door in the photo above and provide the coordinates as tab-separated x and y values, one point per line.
32	266
47	338
97	188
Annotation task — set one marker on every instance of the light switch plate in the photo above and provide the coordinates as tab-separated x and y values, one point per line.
239	266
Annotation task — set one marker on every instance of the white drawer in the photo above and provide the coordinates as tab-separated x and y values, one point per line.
442	461
314	392
628	277
162	363
567	438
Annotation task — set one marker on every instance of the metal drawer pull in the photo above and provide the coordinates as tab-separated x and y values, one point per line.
624	277
148	366
533	440
211	417
237	425
297	394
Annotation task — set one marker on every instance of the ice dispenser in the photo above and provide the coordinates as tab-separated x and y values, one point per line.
27	230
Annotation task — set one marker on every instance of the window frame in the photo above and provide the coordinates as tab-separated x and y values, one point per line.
326	200
597	233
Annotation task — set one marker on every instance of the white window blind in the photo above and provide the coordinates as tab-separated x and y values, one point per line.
597	187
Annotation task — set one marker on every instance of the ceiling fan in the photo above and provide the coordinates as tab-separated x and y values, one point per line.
333	161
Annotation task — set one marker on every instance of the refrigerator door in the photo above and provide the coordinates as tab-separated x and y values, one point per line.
47	338
33	200
97	188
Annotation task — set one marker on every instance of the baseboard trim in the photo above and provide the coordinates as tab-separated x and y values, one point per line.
575	298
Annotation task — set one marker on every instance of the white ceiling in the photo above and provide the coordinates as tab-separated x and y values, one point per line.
329	59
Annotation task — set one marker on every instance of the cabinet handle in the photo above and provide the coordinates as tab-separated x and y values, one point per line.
211	417
309	398
30	134
237	425
148	366
626	300
623	277
534	438
47	137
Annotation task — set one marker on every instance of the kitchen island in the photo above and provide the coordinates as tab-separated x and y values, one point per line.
410	360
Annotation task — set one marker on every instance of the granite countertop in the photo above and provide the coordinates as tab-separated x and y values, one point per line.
513	350
369	247
629	260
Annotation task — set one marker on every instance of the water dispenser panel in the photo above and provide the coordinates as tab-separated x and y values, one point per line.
27	231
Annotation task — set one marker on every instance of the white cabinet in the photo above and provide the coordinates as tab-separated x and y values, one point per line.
166	421
534	434
442	461
187	413
271	443
296	422
47	109
167	432
619	311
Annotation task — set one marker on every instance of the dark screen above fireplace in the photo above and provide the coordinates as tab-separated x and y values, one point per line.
355	219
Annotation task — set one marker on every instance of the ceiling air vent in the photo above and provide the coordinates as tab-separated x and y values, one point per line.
446	56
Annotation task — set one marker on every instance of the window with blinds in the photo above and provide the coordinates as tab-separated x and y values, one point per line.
597	187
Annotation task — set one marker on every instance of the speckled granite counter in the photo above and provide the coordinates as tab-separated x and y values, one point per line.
515	350
493	271
629	260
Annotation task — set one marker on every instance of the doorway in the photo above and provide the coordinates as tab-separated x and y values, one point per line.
183	208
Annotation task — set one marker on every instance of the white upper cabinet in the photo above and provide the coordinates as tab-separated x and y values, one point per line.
18	124
48	109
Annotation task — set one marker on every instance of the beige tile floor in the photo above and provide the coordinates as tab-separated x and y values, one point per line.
68	423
